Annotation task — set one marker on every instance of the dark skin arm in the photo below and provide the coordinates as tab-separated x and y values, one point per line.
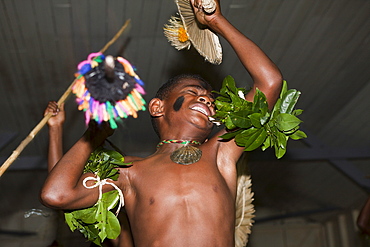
265	74
59	180
55	153
55	124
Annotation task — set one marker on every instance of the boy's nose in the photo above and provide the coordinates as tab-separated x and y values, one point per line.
205	100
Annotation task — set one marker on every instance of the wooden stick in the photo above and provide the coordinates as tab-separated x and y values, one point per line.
42	123
115	36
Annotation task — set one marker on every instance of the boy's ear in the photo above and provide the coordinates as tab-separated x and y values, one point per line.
156	107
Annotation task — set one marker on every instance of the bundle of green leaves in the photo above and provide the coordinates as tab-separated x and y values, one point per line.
98	222
252	124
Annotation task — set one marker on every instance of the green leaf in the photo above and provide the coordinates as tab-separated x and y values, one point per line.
236	100
289	100
240	119
230	135
229	83
286	122
290	132
251	138
256	125
276	109
101	217
86	215
96	223
265	118
267	143
97	241
271	128
243	139
229	123
256	119
282	140
71	222
110	199
280	146
113	224
279	152
298	135
297	112
223	106
260	102
259	138
222	97
284	88
114	155
112	173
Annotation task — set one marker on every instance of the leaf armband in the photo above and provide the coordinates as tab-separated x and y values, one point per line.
252	124
97	223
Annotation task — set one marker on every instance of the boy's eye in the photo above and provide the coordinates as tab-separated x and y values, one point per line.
192	92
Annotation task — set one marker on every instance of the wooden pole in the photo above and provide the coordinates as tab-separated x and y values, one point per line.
42	123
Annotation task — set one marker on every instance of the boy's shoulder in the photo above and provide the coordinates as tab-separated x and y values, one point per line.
129	158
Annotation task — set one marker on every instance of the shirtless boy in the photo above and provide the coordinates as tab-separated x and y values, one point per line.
170	204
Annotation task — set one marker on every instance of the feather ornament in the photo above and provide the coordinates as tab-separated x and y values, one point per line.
108	89
176	34
244	211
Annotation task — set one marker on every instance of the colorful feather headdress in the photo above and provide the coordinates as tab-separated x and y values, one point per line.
108	89
185	30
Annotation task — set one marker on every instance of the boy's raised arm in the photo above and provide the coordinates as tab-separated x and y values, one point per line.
63	188
55	123
265	74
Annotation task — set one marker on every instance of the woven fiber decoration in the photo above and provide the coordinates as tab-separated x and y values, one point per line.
185	30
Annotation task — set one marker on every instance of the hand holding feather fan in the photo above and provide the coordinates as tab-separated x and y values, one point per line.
185	30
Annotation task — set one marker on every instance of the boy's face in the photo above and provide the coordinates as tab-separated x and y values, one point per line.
190	101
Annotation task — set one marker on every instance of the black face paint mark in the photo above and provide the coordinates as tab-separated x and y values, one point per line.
178	103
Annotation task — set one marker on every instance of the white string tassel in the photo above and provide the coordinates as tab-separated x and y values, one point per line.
99	183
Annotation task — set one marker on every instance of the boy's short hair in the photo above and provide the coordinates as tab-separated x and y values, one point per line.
167	87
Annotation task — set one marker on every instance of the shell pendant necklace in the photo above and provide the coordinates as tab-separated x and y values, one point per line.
185	155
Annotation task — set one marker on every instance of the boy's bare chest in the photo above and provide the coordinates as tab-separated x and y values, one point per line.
174	195
164	178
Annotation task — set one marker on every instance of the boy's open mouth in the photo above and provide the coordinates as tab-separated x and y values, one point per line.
201	108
